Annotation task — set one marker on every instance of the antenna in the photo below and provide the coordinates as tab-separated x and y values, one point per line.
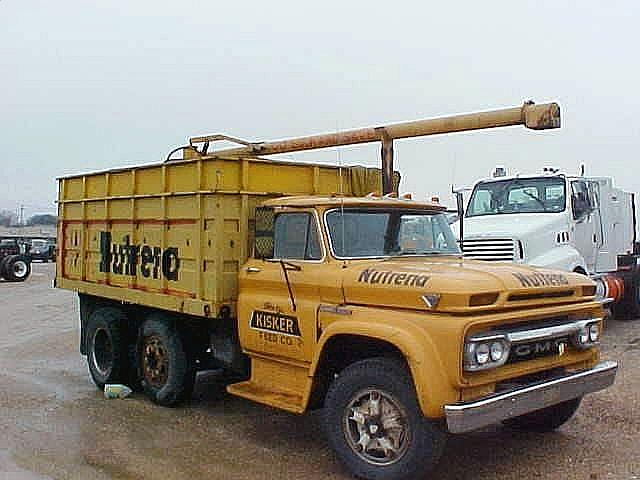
342	239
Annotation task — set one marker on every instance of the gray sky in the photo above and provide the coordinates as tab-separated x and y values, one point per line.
92	84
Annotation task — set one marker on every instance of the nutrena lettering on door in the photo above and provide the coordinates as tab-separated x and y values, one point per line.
128	259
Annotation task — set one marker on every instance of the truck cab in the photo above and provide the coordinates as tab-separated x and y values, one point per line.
341	290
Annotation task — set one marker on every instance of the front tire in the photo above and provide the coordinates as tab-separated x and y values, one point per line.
547	419
166	370
375	425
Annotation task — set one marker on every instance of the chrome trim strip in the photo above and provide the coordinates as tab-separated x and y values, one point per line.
549	332
533	334
465	417
334	309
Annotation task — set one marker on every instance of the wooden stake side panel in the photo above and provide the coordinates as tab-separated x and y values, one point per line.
178	229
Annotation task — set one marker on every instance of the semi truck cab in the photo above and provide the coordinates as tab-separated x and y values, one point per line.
571	223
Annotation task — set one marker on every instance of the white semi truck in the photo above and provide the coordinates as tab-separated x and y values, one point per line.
573	223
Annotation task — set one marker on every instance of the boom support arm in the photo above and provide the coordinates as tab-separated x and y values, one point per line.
535	117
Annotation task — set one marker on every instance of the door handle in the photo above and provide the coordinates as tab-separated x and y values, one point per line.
252	270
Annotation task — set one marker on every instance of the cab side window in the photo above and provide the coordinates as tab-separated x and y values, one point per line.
296	237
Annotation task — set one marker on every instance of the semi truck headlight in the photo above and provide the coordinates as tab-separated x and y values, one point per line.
485	352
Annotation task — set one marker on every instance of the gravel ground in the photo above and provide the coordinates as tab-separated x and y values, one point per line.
54	424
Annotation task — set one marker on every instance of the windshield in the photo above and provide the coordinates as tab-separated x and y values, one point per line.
518	195
38	243
357	233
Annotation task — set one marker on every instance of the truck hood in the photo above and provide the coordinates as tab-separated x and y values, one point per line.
515	225
459	285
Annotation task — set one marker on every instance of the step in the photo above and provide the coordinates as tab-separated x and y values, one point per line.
250	390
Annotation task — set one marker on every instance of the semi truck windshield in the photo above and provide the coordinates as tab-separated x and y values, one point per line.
518	195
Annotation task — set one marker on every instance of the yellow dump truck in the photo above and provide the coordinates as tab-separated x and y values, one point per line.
306	293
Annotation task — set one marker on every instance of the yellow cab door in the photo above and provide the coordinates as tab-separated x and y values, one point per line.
279	296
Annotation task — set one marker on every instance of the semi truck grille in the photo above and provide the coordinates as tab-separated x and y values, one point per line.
491	249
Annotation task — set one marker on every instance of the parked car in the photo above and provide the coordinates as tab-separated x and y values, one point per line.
42	250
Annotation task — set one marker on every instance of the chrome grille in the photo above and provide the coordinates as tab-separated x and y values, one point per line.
491	249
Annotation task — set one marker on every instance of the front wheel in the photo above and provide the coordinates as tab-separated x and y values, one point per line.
166	369
547	419
375	425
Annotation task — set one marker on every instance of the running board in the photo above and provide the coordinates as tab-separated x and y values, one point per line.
277	382
261	394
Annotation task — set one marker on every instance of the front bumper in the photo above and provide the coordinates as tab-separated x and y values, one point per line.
468	416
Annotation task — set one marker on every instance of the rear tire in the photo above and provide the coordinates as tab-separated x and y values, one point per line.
17	268
106	347
547	419
3	267
166	370
375	425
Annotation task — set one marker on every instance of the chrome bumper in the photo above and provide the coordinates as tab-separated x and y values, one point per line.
465	417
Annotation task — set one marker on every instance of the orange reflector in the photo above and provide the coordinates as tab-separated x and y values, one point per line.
615	287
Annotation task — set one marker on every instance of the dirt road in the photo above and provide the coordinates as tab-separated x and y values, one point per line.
54	424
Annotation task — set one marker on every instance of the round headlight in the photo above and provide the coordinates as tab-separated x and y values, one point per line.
496	351
583	335
594	332
482	353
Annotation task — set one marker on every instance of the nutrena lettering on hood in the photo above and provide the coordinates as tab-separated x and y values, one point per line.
389	277
402	282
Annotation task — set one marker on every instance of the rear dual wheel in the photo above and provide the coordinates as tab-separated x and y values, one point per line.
107	348
166	370
15	268
159	362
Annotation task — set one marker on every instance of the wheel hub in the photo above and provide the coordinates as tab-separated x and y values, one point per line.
377	427
102	352
20	269
155	361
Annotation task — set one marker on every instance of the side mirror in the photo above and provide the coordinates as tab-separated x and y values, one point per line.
265	219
